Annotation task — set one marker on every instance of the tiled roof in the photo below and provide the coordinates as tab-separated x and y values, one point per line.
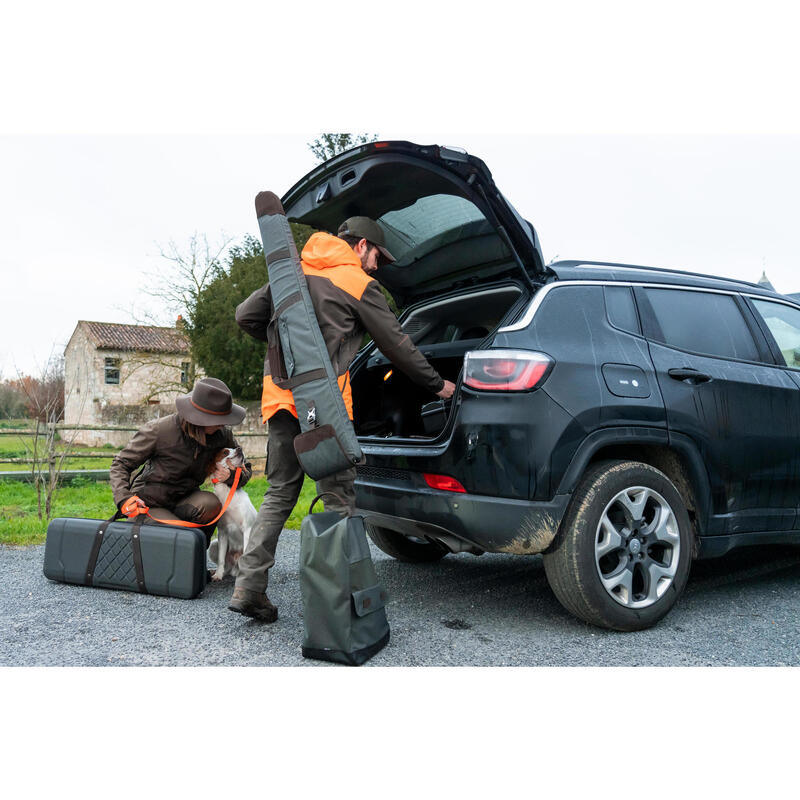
143	338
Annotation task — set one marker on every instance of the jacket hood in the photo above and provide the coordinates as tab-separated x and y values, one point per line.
323	250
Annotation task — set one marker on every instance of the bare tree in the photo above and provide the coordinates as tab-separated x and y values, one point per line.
45	396
161	373
177	286
190	270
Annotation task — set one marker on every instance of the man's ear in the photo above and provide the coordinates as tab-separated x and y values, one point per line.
361	247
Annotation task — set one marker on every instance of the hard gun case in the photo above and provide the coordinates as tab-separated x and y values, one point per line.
152	559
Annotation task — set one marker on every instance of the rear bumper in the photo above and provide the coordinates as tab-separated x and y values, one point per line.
484	523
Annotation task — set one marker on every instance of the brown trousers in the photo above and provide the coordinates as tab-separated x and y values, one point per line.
285	476
198	506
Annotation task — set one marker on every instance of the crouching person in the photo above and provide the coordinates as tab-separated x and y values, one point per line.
179	453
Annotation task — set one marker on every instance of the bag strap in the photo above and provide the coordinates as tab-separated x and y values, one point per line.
301	378
136	547
320	496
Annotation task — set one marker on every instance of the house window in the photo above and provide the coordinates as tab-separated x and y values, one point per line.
185	365
112	370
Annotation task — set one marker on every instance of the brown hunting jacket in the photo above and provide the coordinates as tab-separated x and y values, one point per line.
347	302
174	464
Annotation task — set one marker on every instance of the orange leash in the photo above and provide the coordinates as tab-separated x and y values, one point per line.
182	523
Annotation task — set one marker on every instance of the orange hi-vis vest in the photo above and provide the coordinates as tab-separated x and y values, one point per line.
330	266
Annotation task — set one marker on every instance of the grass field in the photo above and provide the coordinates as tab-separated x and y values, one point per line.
80	497
20	447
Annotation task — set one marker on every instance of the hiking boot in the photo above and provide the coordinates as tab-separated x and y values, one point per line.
253	604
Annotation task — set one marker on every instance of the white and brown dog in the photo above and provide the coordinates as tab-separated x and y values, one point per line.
233	528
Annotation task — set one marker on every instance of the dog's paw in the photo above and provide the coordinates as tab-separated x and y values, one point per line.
216	576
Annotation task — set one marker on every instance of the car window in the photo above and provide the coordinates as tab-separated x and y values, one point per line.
784	325
620	308
430	223
702	322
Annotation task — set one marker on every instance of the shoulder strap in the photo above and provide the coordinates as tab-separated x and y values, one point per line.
136	547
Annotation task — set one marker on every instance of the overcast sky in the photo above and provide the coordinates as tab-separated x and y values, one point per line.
84	217
622	133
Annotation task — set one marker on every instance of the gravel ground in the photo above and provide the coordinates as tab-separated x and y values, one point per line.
496	610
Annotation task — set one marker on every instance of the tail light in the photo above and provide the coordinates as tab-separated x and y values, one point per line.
506	370
443	482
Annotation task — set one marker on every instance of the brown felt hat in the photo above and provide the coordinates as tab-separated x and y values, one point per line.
366	228
208	404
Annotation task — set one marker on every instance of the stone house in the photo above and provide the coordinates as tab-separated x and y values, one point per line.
123	375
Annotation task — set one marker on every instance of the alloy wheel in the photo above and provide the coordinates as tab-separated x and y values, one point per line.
637	547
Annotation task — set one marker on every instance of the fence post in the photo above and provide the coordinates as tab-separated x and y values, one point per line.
51	449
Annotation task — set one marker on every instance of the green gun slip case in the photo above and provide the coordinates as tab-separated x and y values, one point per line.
344	606
152	559
297	353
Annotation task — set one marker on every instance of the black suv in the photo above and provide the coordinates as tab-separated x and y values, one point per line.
620	420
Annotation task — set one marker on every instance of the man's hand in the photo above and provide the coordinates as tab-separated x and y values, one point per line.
446	390
220	474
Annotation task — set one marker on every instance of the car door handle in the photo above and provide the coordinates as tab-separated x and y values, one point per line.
691	376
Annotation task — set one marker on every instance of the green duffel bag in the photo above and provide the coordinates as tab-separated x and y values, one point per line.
344	612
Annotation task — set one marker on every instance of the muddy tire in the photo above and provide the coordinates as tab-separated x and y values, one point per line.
622	555
412	551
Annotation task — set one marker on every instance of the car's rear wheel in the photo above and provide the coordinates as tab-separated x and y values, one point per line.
404	548
622	555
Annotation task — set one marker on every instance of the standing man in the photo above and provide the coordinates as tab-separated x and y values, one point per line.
347	302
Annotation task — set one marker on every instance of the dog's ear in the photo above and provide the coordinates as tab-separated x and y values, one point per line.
219	457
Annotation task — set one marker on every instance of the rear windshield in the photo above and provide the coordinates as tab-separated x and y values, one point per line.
430	223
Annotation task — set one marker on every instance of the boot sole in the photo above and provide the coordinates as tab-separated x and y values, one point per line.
262	615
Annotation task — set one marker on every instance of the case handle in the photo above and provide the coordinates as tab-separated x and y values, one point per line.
320	496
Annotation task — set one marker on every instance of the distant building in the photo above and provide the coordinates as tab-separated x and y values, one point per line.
123	375
765	282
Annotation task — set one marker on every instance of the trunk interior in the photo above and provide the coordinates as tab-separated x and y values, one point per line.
386	403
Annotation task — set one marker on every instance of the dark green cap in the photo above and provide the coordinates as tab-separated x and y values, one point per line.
366	228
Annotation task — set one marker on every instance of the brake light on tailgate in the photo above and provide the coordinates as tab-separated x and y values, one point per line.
506	370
